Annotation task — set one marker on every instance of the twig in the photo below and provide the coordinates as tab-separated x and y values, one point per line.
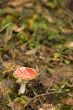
44	94
36	96
49	86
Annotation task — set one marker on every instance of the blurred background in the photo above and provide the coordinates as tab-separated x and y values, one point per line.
37	34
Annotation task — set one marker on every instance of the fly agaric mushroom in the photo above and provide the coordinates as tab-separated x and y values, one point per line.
24	75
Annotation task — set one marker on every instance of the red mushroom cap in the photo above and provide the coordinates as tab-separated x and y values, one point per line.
25	73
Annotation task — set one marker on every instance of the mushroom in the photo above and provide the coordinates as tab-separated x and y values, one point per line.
24	75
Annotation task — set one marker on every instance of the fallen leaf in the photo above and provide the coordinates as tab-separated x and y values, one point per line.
66	30
23	100
15	106
68	101
47	107
31	52
18	29
69	45
10	66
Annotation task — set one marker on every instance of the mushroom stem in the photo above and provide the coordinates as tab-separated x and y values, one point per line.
23	87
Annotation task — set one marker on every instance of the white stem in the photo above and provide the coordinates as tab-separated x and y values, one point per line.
19	81
23	87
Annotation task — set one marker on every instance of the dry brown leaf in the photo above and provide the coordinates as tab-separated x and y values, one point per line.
47	107
18	29
15	105
16	2
49	18
71	80
31	52
69	45
68	101
66	30
10	66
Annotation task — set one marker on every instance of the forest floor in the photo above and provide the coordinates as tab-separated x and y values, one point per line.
36	34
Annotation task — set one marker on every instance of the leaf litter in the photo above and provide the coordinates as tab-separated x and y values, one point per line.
35	34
